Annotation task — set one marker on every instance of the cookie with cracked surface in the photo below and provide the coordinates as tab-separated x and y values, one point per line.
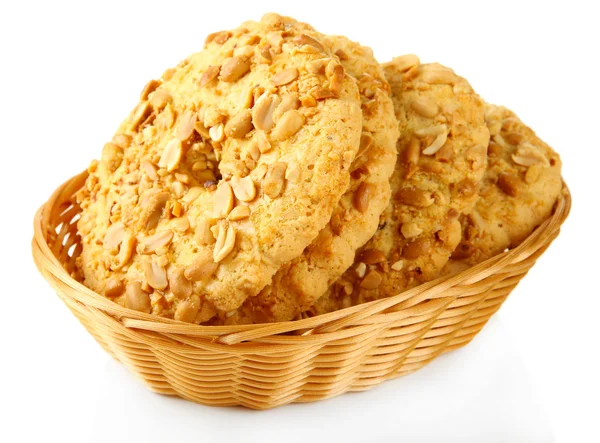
227	169
441	162
520	187
297	285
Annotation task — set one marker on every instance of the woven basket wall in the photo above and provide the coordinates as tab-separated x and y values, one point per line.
263	366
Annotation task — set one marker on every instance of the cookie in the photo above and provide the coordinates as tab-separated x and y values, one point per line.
298	284
520	187
227	169
441	162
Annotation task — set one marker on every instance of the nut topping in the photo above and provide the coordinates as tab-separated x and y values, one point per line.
141	112
372	280
187	310
414	197
528	156
406	62
509	184
336	80
202	268
412	152
262	113
417	248
288	101
150	170
223	200
259	173
152	211
204	235
361	269
253	151
225	242
397	266
366	141
155	275
148	89
410	230
524	161
240	125
136	298
209	75
202	130
246	98
341	54
125	252
304	39
185	127
171	155
451	234
431	130
372	256
114	235
361	197
437	144
263	142
192	194
438	76
160	99
180	224
219	37
180	286
513	138
239	213
317	66
234	69
161	239
292	173
284	77
425	107
275	179
243	188
122	140
114	287
287	125
321	93
217	132
532	174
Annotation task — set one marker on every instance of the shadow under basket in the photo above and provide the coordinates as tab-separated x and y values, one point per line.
268	365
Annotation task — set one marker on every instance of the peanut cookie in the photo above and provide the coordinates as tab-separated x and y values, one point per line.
227	169
298	284
441	161
520	187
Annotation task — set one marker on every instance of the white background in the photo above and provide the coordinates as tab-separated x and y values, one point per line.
70	72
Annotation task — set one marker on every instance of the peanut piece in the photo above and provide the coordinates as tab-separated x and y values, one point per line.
234	69
202	268
287	125
274	180
223	200
136	298
240	125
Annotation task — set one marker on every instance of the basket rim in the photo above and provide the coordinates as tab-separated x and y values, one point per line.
47	262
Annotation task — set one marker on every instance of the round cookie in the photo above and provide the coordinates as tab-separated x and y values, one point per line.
441	161
297	285
520	187
228	168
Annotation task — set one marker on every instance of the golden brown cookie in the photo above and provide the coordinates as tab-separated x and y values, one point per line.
228	168
520	187
441	161
298	284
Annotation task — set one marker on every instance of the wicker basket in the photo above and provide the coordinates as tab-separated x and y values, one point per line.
263	366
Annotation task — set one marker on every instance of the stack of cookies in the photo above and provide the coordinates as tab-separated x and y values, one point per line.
281	173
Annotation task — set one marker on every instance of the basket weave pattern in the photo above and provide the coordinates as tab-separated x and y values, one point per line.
263	366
